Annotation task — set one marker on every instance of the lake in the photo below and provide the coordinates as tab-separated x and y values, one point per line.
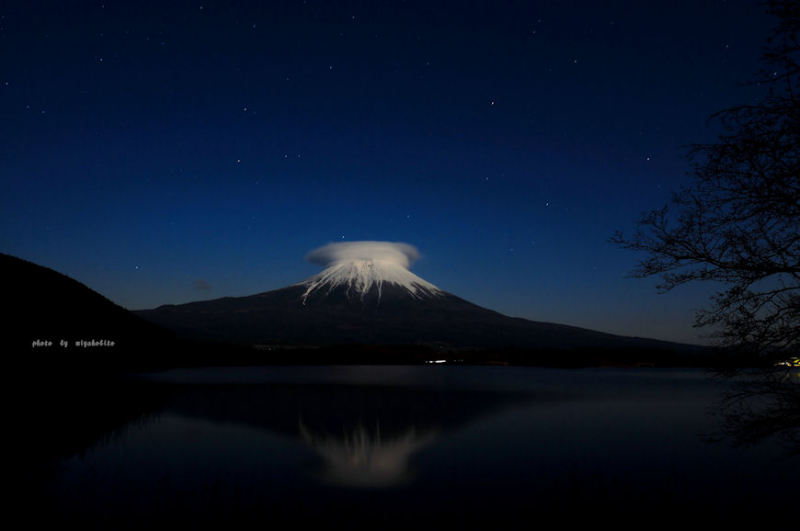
401	446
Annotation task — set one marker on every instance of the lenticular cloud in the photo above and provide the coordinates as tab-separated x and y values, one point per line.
396	253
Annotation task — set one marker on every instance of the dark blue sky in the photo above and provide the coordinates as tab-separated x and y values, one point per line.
162	152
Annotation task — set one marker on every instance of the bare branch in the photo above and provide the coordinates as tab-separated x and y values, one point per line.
739	221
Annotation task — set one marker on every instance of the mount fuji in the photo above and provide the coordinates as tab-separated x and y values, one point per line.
366	295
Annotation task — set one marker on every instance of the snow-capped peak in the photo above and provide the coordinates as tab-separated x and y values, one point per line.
360	267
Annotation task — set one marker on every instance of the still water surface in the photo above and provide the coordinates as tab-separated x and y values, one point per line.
421	446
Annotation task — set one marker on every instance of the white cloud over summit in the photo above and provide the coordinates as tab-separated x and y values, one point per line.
396	253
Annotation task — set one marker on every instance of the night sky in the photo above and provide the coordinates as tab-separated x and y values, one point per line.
163	152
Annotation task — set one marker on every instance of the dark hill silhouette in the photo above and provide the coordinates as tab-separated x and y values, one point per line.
47	306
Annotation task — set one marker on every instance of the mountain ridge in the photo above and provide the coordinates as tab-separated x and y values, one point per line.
274	327
390	316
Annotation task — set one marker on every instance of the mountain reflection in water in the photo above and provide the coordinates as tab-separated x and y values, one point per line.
401	446
365	459
364	434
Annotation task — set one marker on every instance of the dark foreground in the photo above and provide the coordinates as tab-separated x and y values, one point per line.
392	446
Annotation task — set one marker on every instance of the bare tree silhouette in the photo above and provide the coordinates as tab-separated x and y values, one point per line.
738	223
755	409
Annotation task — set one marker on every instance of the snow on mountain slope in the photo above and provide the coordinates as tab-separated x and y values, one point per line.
358	277
360	267
366	295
